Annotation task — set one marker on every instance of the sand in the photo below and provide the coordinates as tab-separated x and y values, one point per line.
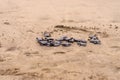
22	58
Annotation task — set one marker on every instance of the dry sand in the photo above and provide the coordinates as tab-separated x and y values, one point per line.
21	57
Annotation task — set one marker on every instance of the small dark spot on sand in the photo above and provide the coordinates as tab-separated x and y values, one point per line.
2	59
59	52
110	24
116	27
105	34
36	52
11	49
71	21
31	31
9	71
1	12
27	53
90	51
115	47
91	77
118	68
2	34
47	70
110	27
6	23
0	45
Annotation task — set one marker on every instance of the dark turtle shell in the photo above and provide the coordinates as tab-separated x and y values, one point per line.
95	41
47	34
63	38
57	43
82	44
71	40
93	37
43	42
66	44
83	41
79	40
53	43
49	39
38	39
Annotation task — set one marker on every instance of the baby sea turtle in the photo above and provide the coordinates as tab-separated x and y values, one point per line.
80	40
49	39
43	42
71	40
94	39
57	43
63	38
53	43
82	44
66	44
47	34
76	40
38	39
93	36
83	41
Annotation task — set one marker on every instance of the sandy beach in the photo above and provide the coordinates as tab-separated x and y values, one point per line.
22	58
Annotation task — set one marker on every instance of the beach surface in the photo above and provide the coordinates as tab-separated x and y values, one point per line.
22	58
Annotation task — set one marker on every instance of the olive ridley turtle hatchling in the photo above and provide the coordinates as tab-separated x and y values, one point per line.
63	38
53	43
94	39
57	43
42	41
82	43
47	34
49	39
38	39
71	40
66	44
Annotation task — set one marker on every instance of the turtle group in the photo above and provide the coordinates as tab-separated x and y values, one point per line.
65	41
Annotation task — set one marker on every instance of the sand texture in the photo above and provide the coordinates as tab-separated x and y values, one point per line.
22	58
